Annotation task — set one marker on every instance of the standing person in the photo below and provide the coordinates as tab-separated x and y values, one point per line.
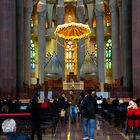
73	106
35	118
115	104
55	109
81	97
63	105
37	88
10	103
88	109
17	105
132	105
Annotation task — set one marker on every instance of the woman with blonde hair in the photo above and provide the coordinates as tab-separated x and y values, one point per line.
132	105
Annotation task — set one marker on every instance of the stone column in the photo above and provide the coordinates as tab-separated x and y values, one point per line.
127	42
115	39
90	8
50	13
80	56
80	12
41	41
136	47
27	38
60	11
119	3
99	11
35	25
20	37
7	48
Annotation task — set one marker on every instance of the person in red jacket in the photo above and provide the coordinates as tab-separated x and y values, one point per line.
133	111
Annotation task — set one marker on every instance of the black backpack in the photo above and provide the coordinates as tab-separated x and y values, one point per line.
88	107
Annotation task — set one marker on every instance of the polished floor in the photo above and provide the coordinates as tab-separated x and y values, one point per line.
74	131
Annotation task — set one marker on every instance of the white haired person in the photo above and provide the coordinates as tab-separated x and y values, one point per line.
132	105
9	130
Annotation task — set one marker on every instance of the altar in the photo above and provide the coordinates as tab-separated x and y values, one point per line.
73	85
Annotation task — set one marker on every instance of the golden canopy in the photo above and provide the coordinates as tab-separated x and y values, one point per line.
72	30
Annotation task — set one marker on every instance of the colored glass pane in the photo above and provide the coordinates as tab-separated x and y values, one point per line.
109	41
33	54
108	52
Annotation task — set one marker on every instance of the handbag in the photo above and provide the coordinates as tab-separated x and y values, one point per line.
62	113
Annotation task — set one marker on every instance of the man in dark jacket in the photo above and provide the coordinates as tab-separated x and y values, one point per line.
88	109
9	130
63	105
35	118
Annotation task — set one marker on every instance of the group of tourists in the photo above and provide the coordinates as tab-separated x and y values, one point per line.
66	108
86	105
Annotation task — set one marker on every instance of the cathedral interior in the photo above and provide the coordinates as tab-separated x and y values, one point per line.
56	54
105	57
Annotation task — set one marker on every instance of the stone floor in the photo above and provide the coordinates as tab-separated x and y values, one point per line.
103	131
74	131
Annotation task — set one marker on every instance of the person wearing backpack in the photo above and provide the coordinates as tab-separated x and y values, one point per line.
88	109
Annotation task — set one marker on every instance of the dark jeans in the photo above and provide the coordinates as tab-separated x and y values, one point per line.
36	129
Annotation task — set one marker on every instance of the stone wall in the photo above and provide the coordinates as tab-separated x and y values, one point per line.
136	47
7	47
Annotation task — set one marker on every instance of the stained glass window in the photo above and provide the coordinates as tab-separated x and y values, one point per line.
70	63
33	54
108	53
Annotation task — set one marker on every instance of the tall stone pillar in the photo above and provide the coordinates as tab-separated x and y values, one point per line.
60	11
41	41
80	12
99	11
90	8
28	7
20	37
35	25
115	39
119	3
81	56
127	43
136	47
7	48
50	13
